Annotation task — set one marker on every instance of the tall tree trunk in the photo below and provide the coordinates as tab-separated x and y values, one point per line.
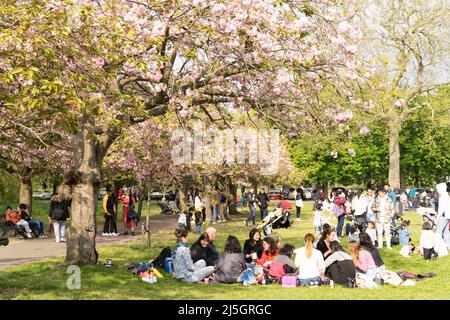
233	205
207	199
88	156
26	192
394	152
142	191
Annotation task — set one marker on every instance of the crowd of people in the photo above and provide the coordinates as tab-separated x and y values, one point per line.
373	217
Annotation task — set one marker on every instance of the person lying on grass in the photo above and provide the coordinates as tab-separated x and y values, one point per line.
231	262
184	269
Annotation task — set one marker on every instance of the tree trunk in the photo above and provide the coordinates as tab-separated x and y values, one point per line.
233	205
26	192
141	200
88	155
208	210
394	153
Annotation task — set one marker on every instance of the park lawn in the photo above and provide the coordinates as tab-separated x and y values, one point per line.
47	279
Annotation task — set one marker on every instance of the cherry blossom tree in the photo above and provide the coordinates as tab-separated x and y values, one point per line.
101	66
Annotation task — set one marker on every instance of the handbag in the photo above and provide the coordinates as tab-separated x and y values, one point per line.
50	228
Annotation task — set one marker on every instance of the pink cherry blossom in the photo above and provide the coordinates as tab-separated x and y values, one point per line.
364	131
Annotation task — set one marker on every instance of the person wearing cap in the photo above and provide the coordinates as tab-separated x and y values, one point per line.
383	208
109	209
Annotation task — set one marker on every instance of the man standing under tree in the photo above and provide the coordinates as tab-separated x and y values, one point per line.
109	209
263	203
384	211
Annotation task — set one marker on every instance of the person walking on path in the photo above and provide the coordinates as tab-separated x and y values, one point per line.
58	214
128	203
263	203
251	200
299	202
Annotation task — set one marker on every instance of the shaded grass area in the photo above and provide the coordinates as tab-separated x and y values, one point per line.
48	279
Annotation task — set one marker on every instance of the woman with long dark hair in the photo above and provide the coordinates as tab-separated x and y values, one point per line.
231	262
199	248
253	246
269	253
328	235
128	202
183	267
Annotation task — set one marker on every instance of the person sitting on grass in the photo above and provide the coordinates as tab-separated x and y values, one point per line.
231	262
211	252
366	268
183	267
328	235
270	252
284	257
309	262
339	265
198	249
253	246
38	224
366	243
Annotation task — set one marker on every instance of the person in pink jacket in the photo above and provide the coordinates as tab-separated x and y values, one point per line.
365	265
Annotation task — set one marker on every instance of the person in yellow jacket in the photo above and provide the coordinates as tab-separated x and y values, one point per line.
109	209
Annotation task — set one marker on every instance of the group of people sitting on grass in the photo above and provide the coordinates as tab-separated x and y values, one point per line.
268	260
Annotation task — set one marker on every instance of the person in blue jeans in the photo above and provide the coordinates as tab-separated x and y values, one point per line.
339	210
38	224
393	196
403	235
251	200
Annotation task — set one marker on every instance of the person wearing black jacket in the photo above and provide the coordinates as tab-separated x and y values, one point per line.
263	203
199	248
340	266
253	246
58	214
212	255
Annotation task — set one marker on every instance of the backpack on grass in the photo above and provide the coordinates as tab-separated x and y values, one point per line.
158	263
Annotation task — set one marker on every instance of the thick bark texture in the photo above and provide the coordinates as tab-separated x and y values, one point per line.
85	181
233	205
394	153
26	192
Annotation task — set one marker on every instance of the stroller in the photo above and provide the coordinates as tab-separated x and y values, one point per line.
275	220
166	209
428	215
395	239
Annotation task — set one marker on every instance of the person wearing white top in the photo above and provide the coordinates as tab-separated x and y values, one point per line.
443	213
426	245
310	263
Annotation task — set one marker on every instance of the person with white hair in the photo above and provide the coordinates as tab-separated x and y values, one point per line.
443	213
212	255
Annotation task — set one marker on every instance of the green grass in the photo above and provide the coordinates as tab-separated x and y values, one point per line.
47	279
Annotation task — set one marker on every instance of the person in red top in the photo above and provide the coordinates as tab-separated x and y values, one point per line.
128	201
270	252
16	217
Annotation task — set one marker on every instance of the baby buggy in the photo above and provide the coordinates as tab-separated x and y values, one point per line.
166	209
275	220
395	240
428	215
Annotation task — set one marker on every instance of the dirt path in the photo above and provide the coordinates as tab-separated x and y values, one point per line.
23	251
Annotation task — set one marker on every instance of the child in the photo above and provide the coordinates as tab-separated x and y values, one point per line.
319	218
404	239
427	242
198	221
354	233
371	231
182	225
